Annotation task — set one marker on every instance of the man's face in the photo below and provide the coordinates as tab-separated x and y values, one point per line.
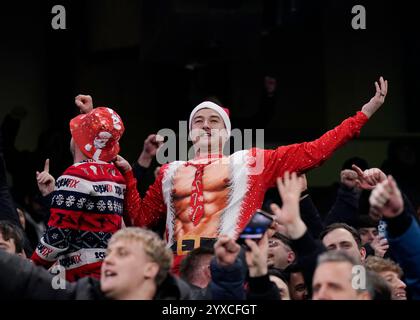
333	281
341	239
367	234
282	286
279	255
125	269
208	129
297	287
7	245
397	286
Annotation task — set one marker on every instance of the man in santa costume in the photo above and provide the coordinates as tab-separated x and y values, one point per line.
212	194
87	200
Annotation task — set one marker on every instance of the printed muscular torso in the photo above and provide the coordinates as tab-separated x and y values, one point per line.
215	191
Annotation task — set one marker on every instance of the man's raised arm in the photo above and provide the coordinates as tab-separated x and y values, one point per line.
301	157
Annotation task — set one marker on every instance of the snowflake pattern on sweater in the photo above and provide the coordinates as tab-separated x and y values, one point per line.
86	210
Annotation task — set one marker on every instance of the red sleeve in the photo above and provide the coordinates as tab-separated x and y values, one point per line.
301	157
148	211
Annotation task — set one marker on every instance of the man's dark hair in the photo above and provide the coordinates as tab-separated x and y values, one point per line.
10	231
292	268
191	262
365	221
345	226
282	238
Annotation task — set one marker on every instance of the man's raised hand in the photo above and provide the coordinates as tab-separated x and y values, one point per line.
122	164
45	180
256	257
349	178
152	144
84	103
386	199
150	148
369	178
378	99
380	246
226	251
289	215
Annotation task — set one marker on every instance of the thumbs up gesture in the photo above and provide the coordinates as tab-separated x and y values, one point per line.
45	181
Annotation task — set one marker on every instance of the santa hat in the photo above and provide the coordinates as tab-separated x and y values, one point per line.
223	112
97	133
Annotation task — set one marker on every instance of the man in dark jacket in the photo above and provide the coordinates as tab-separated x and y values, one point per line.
403	232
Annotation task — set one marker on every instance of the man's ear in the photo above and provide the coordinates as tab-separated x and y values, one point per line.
362	254
151	270
364	295
291	257
207	272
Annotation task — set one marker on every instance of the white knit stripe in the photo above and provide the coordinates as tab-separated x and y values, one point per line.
48	252
97	154
239	186
82	257
167	184
93	188
91	161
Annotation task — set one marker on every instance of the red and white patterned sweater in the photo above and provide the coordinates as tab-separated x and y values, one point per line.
86	210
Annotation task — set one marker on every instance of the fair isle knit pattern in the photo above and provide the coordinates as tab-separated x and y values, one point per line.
86	209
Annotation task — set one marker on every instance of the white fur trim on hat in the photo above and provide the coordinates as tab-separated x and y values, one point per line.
215	107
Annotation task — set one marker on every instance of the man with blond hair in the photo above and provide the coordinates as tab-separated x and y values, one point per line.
391	273
137	262
136	268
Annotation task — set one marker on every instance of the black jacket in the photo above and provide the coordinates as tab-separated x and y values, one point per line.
310	215
21	279
307	250
345	208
